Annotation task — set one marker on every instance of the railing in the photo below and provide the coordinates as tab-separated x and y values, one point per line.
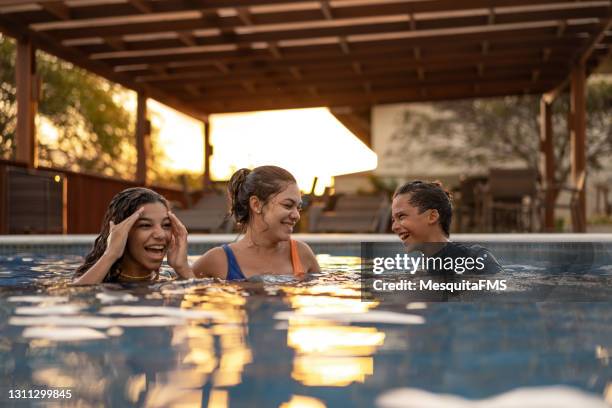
86	199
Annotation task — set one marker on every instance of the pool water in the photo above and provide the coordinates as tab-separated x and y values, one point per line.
278	343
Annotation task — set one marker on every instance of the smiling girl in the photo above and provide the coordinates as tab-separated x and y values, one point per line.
138	231
265	202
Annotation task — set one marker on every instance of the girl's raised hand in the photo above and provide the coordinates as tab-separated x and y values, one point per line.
177	252
118	235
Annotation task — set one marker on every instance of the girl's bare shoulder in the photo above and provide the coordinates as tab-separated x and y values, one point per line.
212	264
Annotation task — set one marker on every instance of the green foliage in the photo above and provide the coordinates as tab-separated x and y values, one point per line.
383	186
8	108
480	133
95	132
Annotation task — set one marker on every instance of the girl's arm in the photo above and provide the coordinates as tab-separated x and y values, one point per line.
97	272
213	264
309	258
117	238
177	253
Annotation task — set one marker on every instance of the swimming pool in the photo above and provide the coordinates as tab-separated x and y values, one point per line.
311	344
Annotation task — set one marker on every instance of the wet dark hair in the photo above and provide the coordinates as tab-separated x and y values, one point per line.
121	206
430	196
263	182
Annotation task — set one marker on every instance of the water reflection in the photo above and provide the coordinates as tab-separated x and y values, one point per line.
211	358
330	353
276	343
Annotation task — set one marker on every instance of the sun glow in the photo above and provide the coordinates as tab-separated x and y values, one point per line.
180	136
307	142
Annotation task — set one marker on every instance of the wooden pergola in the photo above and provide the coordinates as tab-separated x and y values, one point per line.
213	56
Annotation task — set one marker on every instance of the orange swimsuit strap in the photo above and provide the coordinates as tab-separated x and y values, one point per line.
298	269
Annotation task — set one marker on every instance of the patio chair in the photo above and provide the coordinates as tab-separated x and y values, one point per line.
573	204
509	200
352	213
465	197
602	200
209	214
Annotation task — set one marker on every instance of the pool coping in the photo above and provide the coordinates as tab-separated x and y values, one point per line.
81	239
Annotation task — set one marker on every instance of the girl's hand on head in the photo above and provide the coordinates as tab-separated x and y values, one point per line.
177	251
118	235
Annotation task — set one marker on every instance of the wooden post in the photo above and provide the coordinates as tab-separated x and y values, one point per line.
207	153
578	138
547	164
27	103
142	135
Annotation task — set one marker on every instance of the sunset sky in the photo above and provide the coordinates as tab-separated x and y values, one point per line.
307	142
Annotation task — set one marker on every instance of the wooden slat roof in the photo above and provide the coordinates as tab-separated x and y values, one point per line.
211	56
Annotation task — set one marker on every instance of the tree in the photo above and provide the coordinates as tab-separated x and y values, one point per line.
94	132
479	133
8	108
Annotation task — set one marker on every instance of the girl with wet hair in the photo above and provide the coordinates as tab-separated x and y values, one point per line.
138	231
265	203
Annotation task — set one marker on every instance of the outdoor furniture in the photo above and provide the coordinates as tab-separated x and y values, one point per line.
34	201
509	200
351	213
602	200
209	214
573	204
466	203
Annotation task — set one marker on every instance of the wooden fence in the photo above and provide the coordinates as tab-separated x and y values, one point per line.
86	197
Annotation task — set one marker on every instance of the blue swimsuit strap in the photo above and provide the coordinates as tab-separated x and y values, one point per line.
233	269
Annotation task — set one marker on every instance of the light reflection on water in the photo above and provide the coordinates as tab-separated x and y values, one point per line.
278	343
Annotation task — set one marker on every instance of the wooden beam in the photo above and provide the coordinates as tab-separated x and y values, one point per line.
491	16
269	87
208	151
551	95
355	120
308	52
27	102
142	6
578	140
58	9
370	56
440	23
527	38
44	42
249	86
222	67
274	50
386	71
193	90
85	10
331	88
344	45
187	39
295	71
116	43
561	28
245	16
547	164
142	139
326	10
354	98
597	38
582	56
